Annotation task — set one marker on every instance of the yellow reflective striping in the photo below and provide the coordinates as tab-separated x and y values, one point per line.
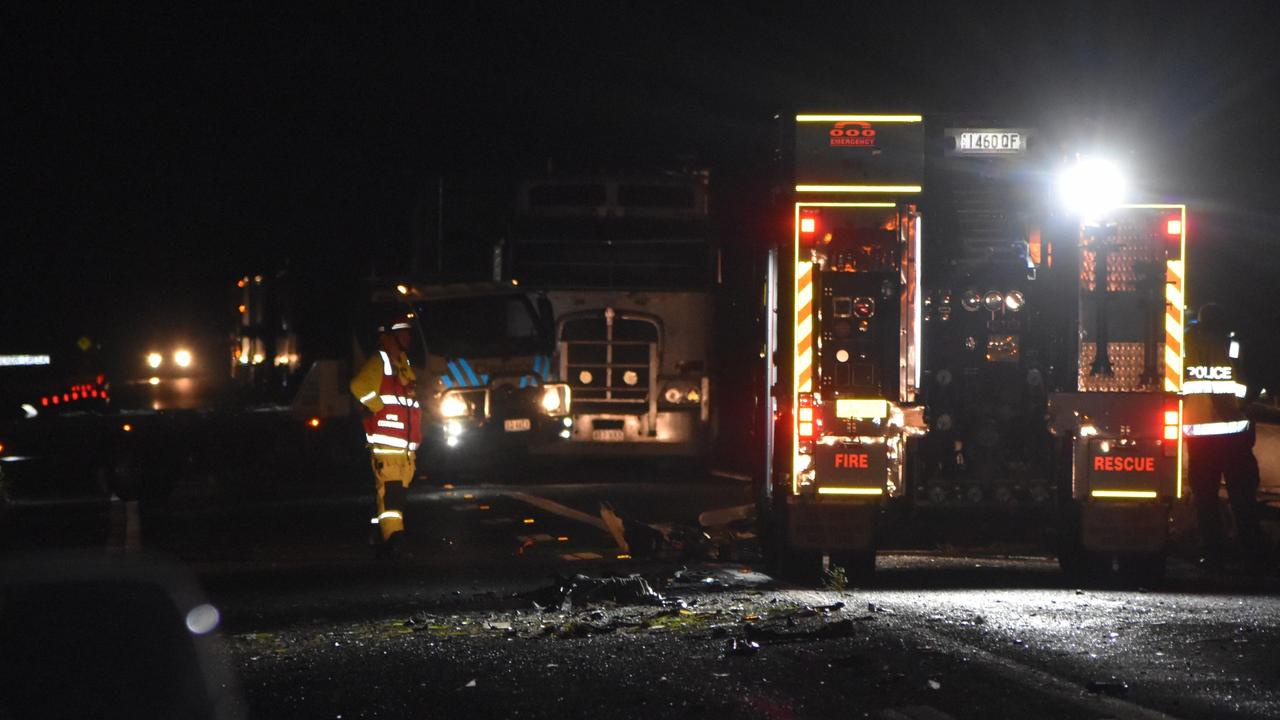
804	326
1125	494
859	118
859	188
1174	319
850	491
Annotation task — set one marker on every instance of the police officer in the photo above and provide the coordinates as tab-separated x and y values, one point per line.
1219	435
387	388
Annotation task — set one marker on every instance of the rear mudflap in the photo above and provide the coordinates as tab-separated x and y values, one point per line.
1124	529
831	525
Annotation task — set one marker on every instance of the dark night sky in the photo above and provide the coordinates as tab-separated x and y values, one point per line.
153	155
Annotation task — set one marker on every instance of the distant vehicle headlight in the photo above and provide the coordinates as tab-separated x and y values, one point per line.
452	406
182	358
154	359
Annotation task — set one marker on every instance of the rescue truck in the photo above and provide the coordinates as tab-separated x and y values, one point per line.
1053	324
844	322
630	268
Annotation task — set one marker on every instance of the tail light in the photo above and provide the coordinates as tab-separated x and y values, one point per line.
808	424
1172	426
1174	227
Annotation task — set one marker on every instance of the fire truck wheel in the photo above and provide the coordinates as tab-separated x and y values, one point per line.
1143	569
858	566
802	567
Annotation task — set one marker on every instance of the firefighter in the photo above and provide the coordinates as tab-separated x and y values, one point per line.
1219	435
386	386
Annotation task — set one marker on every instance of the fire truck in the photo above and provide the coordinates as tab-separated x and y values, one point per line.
844	322
1053	328
1021	364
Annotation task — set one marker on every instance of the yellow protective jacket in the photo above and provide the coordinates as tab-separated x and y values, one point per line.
387	387
1212	385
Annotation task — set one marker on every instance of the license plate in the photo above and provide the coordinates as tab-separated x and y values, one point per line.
989	142
517	425
609	435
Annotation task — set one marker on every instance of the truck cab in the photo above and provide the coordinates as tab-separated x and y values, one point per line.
487	380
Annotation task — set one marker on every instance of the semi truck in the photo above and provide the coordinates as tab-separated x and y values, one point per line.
630	267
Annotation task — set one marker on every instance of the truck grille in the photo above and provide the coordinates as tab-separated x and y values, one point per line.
609	361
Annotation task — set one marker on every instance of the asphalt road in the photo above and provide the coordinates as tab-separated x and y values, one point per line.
316	627
471	620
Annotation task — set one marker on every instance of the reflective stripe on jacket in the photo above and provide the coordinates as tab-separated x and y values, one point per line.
1212	386
387	388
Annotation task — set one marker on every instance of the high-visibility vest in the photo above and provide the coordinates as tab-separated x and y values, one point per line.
386	386
1212	386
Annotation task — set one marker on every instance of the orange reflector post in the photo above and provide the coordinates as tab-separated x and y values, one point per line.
528	521
126	427
314	422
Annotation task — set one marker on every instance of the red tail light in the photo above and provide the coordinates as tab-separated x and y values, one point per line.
808	225
1172	421
807	422
1173	227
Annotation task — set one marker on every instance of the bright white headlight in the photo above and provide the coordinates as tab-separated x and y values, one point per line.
452	406
154	359
182	358
551	399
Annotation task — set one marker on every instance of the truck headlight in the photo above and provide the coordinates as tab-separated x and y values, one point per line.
452	406
555	399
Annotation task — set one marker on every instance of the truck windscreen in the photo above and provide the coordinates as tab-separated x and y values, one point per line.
495	325
611	253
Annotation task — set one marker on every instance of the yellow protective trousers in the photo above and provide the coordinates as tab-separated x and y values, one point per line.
393	470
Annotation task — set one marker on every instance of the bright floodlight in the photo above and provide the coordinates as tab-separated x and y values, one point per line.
1091	187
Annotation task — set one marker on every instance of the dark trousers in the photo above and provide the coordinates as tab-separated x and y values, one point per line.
1211	459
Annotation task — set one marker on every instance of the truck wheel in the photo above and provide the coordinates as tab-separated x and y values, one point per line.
802	567
859	566
1145	570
